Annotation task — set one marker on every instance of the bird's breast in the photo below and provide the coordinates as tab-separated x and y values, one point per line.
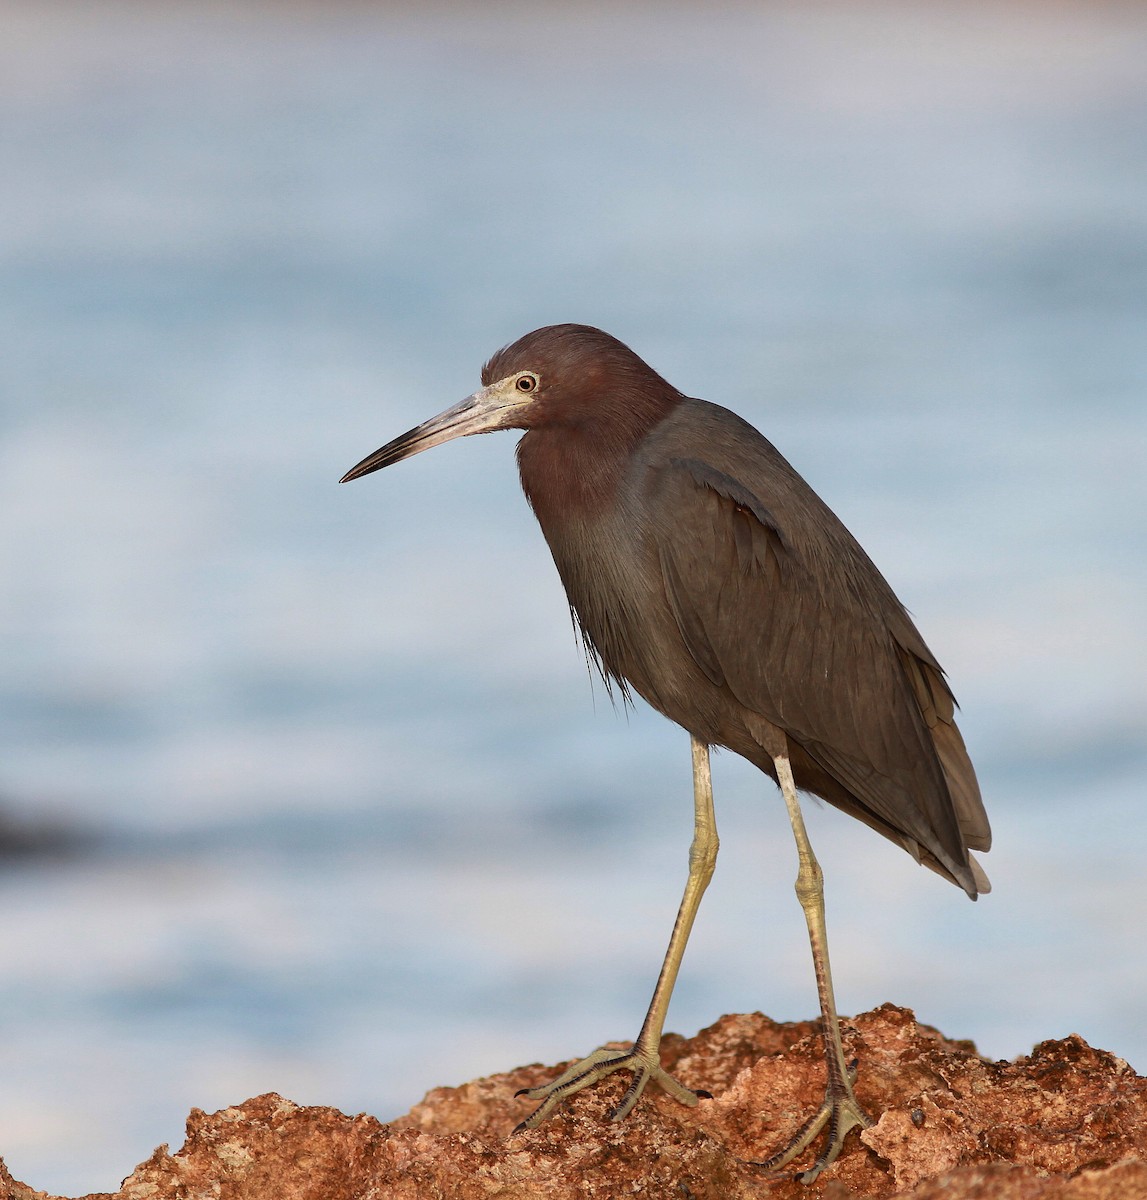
604	528
611	572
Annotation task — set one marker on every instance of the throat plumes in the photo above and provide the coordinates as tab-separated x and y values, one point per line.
574	461
564	473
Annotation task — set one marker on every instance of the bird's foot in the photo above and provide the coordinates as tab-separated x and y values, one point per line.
645	1065
841	1112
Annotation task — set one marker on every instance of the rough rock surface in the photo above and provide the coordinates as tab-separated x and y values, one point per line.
1067	1122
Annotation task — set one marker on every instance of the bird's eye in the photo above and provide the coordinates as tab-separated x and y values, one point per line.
526	383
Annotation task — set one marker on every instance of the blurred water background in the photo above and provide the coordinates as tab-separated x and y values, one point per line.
306	788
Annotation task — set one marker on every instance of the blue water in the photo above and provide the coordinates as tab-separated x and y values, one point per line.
315	792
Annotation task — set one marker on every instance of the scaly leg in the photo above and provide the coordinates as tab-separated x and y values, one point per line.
840	1110
644	1059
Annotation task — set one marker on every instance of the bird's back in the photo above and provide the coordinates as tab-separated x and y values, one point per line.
723	590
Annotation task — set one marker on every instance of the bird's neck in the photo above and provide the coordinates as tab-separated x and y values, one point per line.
573	469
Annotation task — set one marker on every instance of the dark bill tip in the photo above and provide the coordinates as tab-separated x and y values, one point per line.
496	407
389	454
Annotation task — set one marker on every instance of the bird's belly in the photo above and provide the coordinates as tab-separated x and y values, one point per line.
617	595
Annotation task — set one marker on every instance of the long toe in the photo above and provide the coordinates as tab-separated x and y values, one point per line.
646	1068
841	1114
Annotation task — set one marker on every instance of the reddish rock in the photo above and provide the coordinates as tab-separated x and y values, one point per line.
1065	1123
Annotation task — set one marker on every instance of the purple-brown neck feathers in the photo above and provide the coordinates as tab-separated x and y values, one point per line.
596	400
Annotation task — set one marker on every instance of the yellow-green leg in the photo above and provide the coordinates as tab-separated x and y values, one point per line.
840	1111
644	1059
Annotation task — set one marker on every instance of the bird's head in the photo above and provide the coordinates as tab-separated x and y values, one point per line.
556	376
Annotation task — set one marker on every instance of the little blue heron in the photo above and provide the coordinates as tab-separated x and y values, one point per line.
707	576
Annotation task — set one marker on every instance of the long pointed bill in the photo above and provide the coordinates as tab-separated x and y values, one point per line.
498	406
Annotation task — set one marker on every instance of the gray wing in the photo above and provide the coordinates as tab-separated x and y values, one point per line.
776	601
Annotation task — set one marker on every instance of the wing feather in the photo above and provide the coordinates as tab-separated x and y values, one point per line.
776	601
